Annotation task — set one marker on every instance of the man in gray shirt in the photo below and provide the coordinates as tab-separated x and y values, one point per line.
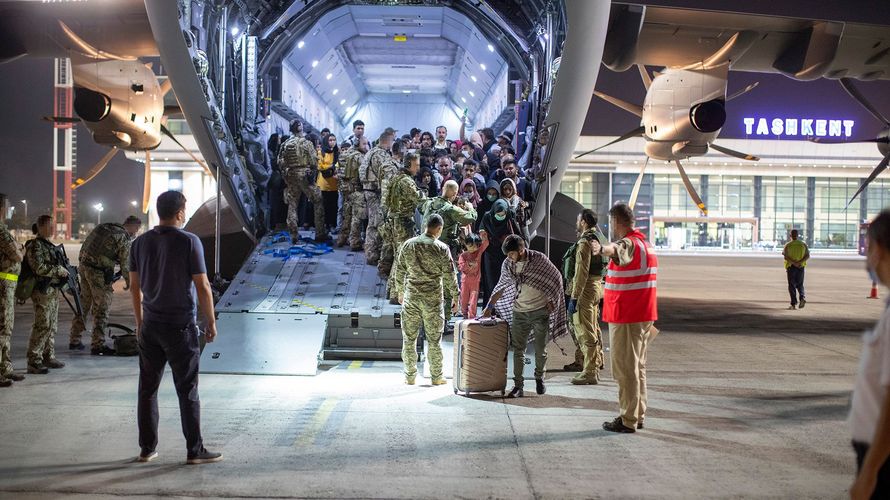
166	270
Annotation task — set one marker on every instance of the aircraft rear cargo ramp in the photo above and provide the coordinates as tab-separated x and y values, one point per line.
290	305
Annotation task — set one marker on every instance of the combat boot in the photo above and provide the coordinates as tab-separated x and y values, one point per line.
77	346
439	381
5	382
38	369
574	366
409	380
15	377
585	379
55	363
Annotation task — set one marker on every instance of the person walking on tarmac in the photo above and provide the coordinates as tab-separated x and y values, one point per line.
10	266
45	265
106	246
586	278
298	162
796	256
423	269
630	307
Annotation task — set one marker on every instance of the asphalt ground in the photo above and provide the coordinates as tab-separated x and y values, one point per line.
747	400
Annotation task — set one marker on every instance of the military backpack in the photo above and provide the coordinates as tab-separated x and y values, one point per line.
598	264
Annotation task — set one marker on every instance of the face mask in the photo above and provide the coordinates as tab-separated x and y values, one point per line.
492	197
500	217
466	154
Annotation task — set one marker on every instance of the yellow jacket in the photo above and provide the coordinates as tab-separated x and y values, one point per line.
326	162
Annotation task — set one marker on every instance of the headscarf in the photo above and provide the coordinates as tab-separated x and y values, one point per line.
515	199
474	196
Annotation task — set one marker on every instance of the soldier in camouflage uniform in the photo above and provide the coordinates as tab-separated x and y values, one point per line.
347	179
424	267
106	246
403	197
298	161
43	259
388	174
353	211
10	266
368	205
454	217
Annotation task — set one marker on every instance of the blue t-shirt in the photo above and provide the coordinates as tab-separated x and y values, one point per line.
166	258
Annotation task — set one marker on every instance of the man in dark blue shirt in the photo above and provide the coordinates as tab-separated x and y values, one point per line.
166	270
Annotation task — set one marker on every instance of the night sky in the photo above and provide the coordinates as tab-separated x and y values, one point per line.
26	87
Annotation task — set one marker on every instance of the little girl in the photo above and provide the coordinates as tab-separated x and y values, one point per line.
470	265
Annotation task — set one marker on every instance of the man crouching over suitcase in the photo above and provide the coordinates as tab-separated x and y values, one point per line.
531	287
423	269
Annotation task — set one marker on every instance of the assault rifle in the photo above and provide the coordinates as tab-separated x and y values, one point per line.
72	286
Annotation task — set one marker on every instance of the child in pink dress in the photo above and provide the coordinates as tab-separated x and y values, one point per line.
470	265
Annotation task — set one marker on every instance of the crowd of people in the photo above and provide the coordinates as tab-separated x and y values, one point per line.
359	190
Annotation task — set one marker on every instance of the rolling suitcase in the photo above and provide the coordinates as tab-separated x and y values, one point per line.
480	355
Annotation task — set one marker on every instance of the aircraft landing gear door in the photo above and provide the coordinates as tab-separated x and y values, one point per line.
265	344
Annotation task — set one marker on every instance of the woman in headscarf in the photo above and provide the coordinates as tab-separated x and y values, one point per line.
468	190
508	194
497	223
427	183
491	195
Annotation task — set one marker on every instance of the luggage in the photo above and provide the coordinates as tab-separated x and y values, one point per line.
480	355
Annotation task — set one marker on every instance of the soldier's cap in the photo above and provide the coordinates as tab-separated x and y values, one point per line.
133	220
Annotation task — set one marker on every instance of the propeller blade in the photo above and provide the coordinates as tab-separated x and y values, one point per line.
97	168
851	89
742	92
644	74
88	49
691	189
60	119
630	108
637	184
166	86
197	160
146	184
839	140
731	152
874	174
633	133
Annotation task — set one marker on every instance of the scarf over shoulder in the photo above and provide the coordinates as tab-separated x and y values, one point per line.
540	273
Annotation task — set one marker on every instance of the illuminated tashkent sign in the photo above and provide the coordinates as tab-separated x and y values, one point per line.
793	127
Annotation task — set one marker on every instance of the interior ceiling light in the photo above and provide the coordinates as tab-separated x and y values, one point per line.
406	91
472	94
463	100
329	76
315	63
300	44
235	31
342	102
473	78
490	47
482	66
335	91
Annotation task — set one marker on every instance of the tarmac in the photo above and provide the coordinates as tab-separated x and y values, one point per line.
746	400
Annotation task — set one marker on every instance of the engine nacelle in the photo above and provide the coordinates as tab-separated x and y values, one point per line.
708	116
91	106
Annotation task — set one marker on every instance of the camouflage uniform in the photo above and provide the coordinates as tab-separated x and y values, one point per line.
388	174
9	271
347	183
424	266
44	262
106	246
402	197
299	165
369	203
454	218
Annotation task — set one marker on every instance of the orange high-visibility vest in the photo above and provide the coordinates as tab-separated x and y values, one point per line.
630	291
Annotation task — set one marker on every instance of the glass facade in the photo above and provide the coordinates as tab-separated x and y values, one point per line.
743	211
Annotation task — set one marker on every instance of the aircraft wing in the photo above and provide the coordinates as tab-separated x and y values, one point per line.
803	49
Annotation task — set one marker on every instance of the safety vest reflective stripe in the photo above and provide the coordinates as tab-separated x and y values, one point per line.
644	265
630	286
9	277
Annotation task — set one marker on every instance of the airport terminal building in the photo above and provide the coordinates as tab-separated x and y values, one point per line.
751	205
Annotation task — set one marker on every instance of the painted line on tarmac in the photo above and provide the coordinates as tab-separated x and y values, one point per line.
316	424
298	422
355	365
328	434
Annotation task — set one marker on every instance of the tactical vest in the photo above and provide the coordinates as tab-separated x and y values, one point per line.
439	206
96	250
347	169
399	206
597	263
368	173
295	153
